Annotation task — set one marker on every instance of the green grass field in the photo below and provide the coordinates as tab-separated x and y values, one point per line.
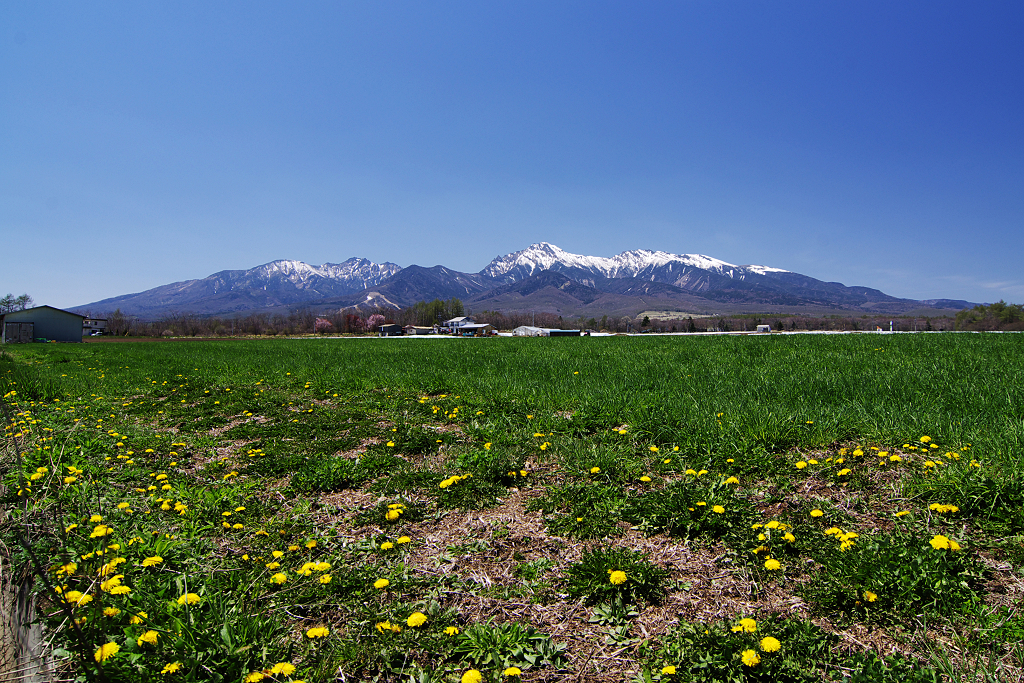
784	508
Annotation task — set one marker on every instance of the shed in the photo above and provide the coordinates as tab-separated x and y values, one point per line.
391	330
764	328
417	329
42	323
562	333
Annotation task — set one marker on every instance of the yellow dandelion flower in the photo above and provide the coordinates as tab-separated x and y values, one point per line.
188	599
317	632
106	651
451	631
750	658
283	668
171	668
472	676
771	564
817	513
381	583
746	625
770	644
416	619
617	577
668	670
148	637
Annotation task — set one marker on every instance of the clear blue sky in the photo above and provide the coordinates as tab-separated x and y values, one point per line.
870	143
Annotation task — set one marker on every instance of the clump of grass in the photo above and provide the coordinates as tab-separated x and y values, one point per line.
893	576
489	645
606	575
694	507
584	511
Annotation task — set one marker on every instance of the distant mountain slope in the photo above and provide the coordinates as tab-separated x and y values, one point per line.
278	283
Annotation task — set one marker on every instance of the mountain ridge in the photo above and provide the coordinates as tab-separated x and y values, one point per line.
520	280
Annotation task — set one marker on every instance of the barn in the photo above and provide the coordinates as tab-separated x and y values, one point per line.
41	323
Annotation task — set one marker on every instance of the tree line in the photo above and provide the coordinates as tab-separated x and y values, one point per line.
11	303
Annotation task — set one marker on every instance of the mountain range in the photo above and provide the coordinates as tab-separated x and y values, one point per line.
541	277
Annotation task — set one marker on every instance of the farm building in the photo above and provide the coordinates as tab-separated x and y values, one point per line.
456	323
418	329
41	323
391	330
94	326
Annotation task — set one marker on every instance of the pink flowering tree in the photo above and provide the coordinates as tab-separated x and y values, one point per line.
374	321
323	326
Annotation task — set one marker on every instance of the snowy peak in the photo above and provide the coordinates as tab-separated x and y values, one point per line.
354	269
643	263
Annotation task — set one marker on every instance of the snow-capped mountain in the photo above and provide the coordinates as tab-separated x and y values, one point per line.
659	266
534	277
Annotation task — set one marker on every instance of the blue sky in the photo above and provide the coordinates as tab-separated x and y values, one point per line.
870	143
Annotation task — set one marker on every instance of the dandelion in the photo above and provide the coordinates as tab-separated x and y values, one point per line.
901	513
843	472
111	611
513	671
283	668
771	564
718	509
77	598
279	578
392	515
140	617
817	513
171	668
472	676
402	539
187	599
654	449
148	637
593	470
255	675
106	651
668	670
451	631
152	561
645	478
790	538
746	625
617	577
317	632
869	596
770	644
381	584
732	480
801	464
750	658
387	545
416	619
325	579
925	439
